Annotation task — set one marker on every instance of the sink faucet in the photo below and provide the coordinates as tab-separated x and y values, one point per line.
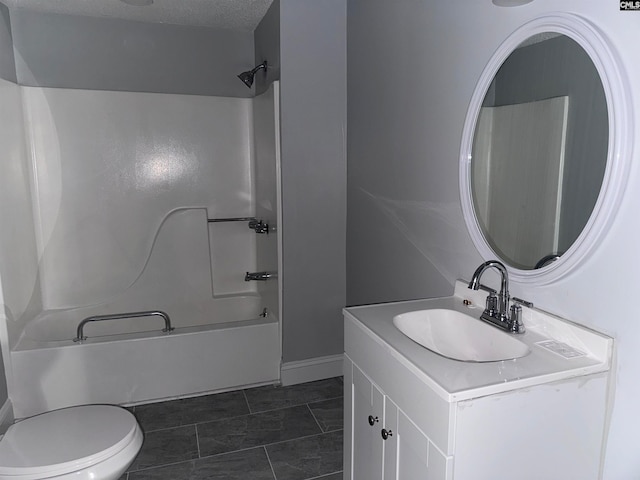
497	311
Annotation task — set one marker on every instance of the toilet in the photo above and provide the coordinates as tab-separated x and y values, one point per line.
89	442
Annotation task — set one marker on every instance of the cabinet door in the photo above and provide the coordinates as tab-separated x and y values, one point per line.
417	457
384	444
367	423
390	439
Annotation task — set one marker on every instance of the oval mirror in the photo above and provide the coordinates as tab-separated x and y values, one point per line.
542	155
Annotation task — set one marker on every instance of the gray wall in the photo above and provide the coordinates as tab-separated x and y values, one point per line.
313	123
110	54
402	205
267	47
7	62
553	68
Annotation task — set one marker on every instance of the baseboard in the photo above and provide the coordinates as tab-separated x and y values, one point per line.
319	368
6	416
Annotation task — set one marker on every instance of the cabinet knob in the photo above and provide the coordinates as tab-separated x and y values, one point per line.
372	420
386	433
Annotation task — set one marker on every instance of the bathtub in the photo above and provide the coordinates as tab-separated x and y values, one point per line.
139	363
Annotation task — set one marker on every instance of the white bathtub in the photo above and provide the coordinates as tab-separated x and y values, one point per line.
51	371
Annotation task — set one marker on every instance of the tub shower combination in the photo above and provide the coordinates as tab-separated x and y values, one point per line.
133	357
189	324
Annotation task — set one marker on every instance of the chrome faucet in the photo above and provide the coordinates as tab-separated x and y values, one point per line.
497	311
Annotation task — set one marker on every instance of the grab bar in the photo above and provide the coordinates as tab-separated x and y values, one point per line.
231	219
116	316
258	225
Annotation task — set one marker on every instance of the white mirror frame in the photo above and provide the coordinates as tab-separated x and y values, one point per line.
616	89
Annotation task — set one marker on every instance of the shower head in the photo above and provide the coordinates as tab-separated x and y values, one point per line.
247	77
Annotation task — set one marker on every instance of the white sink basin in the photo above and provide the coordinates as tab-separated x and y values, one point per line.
459	336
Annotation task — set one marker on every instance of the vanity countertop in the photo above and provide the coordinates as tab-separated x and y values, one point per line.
455	380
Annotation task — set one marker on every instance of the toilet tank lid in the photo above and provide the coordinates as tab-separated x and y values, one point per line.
66	440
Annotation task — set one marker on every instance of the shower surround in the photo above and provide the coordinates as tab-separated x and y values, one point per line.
122	187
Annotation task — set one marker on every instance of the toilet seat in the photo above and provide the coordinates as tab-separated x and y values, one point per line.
67	440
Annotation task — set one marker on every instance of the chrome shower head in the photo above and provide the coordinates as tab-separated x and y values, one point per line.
248	76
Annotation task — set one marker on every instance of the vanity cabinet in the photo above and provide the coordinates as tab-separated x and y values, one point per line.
541	417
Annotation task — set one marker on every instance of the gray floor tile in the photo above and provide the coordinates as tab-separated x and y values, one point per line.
124	476
248	464
253	430
167	446
307	457
188	411
270	397
328	413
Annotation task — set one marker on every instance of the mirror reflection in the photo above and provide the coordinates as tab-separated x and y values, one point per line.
539	151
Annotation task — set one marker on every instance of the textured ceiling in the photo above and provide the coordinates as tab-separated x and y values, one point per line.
230	14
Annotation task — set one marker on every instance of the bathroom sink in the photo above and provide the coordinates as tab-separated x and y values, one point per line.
459	336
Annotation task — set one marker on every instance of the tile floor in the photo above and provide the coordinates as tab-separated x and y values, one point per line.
263	433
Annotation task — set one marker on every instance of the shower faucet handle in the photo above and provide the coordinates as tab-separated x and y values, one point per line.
259	226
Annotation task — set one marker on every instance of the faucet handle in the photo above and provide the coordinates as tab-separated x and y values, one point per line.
522	302
491	307
516	325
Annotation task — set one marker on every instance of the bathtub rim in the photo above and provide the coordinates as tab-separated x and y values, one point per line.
25	343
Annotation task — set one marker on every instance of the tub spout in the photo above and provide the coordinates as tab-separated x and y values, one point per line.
260	276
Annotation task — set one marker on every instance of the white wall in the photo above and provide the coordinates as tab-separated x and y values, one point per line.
18	289
19	293
111	166
18	255
413	67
